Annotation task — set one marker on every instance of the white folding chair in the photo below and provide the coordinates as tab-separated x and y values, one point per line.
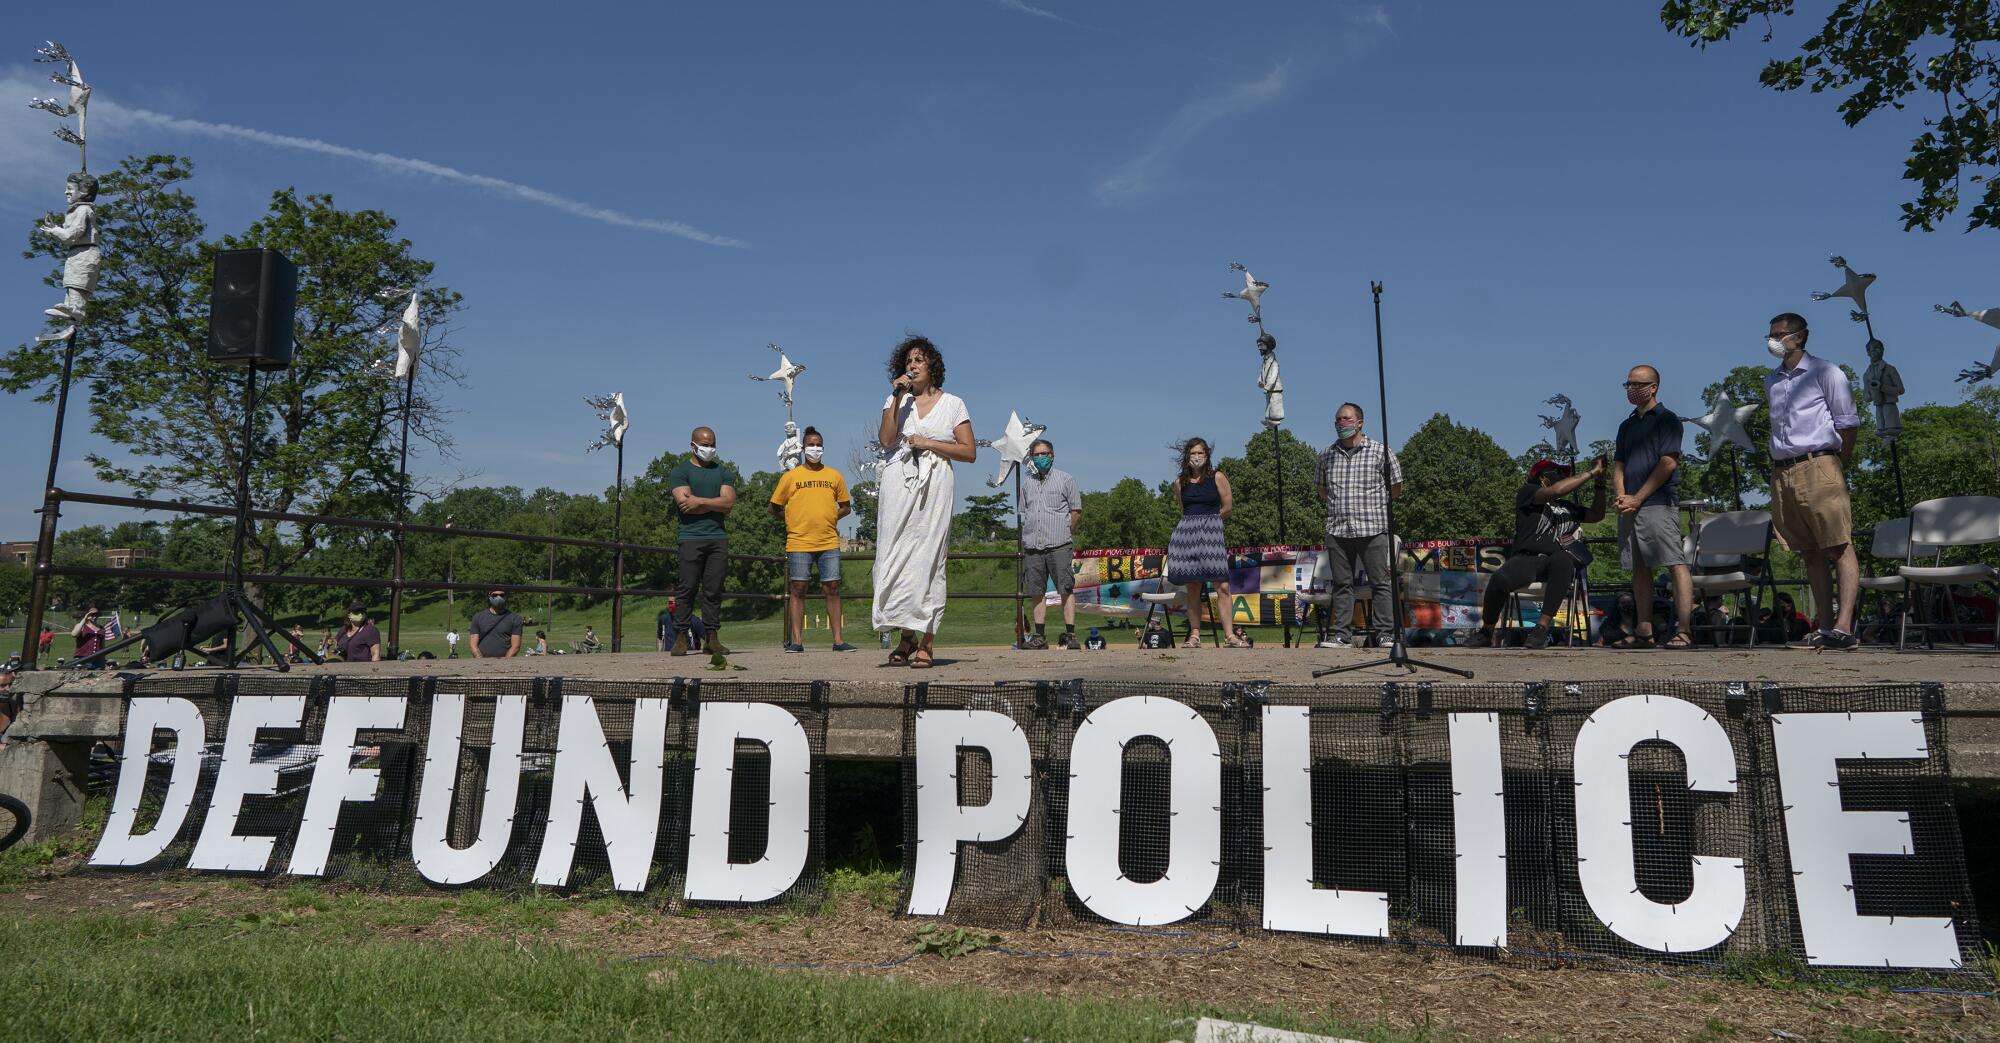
1891	542
1724	545
1940	524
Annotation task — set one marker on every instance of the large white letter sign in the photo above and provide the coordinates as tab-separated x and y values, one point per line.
942	822
1291	902
430	847
335	778
1604	824
711	876
1821	836
1478	830
239	777
1194	821
119	847
584	769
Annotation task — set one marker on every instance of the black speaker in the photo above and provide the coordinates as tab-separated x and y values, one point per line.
250	309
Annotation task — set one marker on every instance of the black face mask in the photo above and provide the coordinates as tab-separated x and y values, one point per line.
497	602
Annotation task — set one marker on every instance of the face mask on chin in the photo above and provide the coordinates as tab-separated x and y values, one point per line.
704	453
815	452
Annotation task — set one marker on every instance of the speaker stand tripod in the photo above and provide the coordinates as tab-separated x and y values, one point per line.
259	622
1398	655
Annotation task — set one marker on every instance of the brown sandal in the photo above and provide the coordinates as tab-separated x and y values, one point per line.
921	659
1678	642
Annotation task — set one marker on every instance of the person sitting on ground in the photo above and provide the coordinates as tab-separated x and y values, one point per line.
1546	548
1783	622
1619	621
590	642
541	645
1712	622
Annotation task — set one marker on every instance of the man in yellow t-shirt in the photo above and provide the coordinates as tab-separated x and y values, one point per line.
812	498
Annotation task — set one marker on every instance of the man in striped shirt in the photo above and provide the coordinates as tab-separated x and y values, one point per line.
1355	478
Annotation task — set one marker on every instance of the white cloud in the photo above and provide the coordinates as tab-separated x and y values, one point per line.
33	162
123	115
1023	7
1142	176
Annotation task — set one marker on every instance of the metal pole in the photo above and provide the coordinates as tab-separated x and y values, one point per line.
45	538
1020	561
233	579
1896	464
402	516
1735	476
1278	452
549	600
618	556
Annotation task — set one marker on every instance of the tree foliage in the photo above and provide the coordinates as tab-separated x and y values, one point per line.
1126	515
1935	54
1253	482
1457	483
324	429
984	519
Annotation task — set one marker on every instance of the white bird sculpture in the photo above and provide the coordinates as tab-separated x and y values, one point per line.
79	92
1013	446
409	333
1563	424
1853	287
1727	422
1253	291
787	372
611	409
1978	371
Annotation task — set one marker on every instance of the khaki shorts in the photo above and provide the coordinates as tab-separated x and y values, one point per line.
1809	506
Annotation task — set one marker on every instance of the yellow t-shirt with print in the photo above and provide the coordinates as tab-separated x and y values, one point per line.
811	500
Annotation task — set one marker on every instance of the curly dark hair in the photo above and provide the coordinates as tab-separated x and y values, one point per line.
1207	465
899	358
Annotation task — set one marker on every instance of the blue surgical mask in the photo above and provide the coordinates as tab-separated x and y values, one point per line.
1042	462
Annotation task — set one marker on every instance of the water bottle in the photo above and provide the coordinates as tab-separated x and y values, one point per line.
885	639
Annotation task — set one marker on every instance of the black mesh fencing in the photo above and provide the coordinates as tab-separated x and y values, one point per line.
1392	786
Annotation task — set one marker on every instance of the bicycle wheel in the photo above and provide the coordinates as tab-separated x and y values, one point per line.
14	819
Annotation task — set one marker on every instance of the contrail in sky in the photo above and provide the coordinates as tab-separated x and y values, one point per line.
406	165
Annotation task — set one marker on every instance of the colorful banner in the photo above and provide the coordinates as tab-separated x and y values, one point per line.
1442	582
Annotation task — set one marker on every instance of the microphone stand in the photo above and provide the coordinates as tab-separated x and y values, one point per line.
1398	655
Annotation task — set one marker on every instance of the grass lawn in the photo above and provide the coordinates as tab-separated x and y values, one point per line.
966	622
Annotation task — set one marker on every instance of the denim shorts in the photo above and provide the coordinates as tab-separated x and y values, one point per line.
799	564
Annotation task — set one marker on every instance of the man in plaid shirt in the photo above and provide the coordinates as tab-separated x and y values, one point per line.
1351	482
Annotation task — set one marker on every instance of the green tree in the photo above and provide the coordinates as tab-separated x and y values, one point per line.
1253	482
15	578
325	428
985	519
1458	483
1126	515
1935	55
1946	450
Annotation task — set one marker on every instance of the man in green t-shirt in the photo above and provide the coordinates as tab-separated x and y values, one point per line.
704	492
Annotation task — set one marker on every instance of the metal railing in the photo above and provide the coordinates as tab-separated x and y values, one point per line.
46	568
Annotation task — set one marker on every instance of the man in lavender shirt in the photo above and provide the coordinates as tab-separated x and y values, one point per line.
1813	426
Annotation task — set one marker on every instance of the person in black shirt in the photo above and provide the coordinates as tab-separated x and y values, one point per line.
1545	546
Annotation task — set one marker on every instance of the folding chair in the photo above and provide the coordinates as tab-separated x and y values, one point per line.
1950	521
1890	542
1733	544
1163	601
1532	593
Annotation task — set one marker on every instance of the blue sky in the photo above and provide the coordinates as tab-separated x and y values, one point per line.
1050	190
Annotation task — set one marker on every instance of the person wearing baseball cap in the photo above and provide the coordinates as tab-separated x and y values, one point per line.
1546	548
496	632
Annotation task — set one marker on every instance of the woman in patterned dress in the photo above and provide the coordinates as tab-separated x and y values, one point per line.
1195	553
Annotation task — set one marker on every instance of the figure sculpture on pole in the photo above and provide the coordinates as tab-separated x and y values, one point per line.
1978	371
77	234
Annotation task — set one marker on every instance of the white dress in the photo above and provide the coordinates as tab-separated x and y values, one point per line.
913	522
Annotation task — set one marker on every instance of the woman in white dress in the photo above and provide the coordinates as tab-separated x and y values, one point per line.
924	431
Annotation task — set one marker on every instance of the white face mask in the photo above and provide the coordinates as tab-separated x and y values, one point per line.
814	452
704	453
1776	347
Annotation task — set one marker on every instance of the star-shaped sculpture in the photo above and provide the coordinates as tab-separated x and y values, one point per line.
1978	371
611	409
1727	422
1013	446
1252	291
1853	287
787	372
1563	424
